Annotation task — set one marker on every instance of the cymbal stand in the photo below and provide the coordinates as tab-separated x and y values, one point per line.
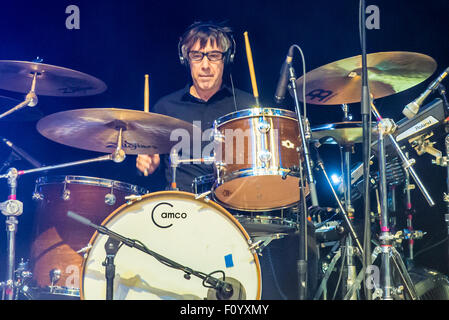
350	266
12	208
386	291
406	163
347	150
340	205
117	156
409	212
30	99
349	244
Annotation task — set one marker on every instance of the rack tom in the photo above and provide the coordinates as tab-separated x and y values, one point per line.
255	150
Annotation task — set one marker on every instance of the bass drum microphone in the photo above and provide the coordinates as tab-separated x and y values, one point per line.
238	291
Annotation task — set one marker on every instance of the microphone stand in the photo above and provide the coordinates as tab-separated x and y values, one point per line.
224	290
111	247
302	259
366	127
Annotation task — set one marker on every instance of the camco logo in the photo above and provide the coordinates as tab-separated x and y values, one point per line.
162	214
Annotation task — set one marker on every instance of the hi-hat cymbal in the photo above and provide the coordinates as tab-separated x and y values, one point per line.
97	129
17	76
22	115
343	133
388	73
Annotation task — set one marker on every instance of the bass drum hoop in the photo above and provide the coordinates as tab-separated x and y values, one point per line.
91	181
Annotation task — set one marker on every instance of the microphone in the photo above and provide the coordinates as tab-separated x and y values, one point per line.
22	153
232	289
412	108
281	88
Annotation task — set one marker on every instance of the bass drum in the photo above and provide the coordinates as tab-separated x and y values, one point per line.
196	233
58	242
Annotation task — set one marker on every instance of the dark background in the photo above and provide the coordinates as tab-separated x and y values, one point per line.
121	41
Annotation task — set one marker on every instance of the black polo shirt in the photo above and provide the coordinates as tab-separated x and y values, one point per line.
182	105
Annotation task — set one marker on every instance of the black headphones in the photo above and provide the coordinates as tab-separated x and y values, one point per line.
229	54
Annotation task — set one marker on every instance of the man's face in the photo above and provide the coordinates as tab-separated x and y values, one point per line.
206	75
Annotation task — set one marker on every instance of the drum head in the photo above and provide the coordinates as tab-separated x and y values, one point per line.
194	233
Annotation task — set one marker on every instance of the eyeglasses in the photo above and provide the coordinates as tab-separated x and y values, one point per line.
211	55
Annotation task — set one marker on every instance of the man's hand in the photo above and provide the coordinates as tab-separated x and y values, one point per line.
147	163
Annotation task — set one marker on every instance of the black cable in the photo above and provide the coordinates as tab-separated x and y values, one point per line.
431	247
341	272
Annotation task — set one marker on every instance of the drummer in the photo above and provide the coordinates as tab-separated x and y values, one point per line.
207	51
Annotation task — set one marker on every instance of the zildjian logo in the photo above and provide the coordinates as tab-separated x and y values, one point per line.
131	145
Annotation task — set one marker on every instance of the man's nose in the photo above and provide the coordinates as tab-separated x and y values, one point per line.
205	63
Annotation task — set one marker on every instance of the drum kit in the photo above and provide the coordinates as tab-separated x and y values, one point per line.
220	235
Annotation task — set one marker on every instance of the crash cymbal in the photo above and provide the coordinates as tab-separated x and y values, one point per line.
97	129
342	133
22	115
17	76
388	73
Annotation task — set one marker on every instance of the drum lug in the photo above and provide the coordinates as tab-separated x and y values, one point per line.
110	199
65	192
263	126
66	195
265	156
37	196
55	275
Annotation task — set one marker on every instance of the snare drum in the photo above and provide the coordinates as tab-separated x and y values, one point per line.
59	242
257	223
196	233
254	152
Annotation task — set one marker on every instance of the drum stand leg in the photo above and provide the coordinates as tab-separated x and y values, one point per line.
11	209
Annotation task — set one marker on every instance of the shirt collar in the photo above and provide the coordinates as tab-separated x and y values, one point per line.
224	91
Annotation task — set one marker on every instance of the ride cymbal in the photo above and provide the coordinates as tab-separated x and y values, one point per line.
340	82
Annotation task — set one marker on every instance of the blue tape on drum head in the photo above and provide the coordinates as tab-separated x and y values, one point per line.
228	261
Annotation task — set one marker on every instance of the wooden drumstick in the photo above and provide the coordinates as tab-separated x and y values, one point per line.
146	106
251	68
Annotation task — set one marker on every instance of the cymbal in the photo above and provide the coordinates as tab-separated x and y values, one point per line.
342	133
388	73
17	76
97	129
22	115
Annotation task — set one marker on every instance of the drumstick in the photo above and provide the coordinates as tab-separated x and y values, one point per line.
251	68
146	106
